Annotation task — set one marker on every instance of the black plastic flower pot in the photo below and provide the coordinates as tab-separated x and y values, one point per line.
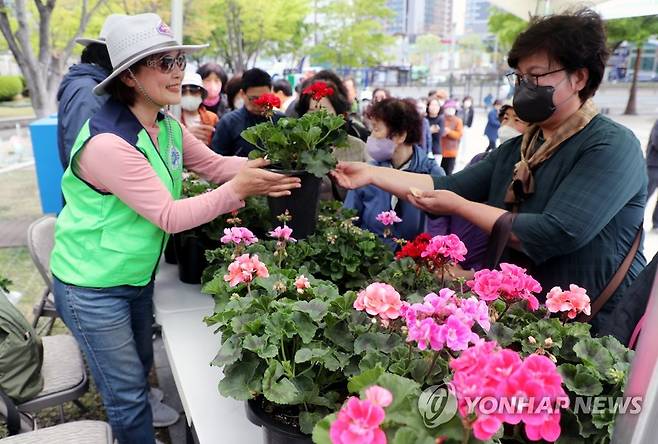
274	432
191	255
302	204
170	251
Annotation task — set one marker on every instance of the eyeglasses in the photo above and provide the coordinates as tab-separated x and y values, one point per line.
531	80
165	64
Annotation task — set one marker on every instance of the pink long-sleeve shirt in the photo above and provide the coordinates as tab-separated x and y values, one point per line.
111	164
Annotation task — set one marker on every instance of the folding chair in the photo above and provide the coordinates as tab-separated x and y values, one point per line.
40	241
64	379
76	432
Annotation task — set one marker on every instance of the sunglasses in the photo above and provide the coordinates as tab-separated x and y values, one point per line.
165	64
191	89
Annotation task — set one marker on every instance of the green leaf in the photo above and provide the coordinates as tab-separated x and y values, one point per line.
365	379
241	380
318	163
259	345
308	354
501	333
315	308
376	341
278	388
304	326
618	351
408	435
580	380
594	354
307	421
229	352
321	429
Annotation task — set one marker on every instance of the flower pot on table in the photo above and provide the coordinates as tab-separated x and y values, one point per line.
191	254
274	432
302	204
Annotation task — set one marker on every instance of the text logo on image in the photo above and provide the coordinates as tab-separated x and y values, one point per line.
437	405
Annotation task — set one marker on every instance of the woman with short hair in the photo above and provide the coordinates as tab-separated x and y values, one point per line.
576	179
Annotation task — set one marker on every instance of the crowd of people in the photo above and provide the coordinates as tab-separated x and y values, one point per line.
550	163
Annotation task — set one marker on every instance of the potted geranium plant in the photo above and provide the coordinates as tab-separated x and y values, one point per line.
301	147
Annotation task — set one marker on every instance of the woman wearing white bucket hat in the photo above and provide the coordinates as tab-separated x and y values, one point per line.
122	191
195	116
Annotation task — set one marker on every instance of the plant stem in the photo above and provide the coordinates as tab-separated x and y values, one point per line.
466	435
429	372
409	354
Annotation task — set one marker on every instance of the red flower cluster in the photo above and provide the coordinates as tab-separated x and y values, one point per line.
414	248
318	90
267	101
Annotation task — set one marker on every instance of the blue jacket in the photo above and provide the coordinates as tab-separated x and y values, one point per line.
227	140
426	142
77	103
369	201
491	130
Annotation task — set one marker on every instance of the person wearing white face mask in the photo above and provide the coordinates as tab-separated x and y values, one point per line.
510	124
393	143
454	129
194	114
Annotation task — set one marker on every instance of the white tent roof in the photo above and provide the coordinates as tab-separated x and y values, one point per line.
609	9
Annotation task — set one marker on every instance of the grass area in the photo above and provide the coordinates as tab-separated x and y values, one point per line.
19	197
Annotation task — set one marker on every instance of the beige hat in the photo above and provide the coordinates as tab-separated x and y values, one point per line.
104	30
133	37
192	78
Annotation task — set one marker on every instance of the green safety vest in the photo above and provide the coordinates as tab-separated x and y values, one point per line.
100	241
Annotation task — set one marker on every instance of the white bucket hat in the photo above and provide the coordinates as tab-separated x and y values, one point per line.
133	37
104	30
194	79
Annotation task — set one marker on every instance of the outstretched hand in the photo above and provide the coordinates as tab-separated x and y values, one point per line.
440	202
352	175
252	180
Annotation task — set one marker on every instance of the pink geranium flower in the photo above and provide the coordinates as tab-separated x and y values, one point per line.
358	423
511	283
456	334
572	301
379	299
379	396
238	235
531	388
282	233
245	269
388	218
302	284
443	249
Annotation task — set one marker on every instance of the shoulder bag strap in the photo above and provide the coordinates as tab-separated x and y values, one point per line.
13	417
498	240
615	281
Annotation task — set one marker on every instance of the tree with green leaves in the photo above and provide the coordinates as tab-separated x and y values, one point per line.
634	30
506	27
426	47
40	49
243	30
352	34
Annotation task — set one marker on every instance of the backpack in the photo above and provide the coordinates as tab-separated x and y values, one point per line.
21	354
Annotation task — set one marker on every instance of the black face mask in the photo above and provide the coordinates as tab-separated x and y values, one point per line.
534	105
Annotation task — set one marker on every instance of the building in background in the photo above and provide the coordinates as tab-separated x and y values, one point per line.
476	17
438	17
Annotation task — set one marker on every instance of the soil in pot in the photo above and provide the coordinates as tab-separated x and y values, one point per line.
280	423
302	204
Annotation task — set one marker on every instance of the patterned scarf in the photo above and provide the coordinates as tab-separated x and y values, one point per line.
523	182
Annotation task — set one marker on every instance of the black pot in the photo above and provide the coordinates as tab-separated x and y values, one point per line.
302	204
273	431
170	251
191	255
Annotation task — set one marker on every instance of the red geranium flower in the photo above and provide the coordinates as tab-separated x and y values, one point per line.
414	248
318	90
268	101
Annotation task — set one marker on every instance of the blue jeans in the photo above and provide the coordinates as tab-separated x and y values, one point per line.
113	327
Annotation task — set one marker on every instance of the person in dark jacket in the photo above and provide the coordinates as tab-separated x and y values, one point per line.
652	169
227	140
466	112
77	102
397	130
491	130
